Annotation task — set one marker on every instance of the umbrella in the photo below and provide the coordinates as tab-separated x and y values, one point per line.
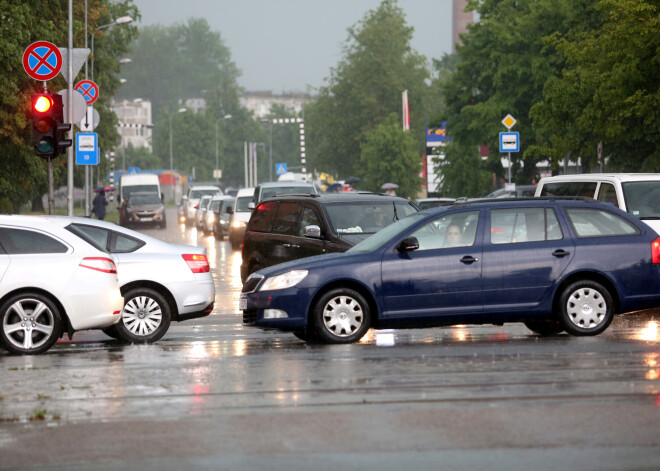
389	186
351	180
105	189
332	187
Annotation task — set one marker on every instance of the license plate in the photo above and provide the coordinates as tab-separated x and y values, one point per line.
242	302
146	219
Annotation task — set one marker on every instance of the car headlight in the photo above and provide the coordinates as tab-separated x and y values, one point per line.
239	224
283	281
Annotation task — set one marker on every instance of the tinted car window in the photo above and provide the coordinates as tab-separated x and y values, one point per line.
194	194
96	236
515	225
587	189
20	241
309	218
351	217
595	223
642	198
286	219
151	198
289	190
452	230
262	217
122	243
607	194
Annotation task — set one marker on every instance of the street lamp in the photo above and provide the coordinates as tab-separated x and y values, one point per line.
270	150
125	60
123	20
227	116
180	110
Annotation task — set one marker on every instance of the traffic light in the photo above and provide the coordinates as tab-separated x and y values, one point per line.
48	126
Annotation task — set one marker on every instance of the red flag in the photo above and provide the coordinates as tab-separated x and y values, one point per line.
406	111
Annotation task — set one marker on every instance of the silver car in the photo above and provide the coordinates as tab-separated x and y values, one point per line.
201	211
212	212
160	282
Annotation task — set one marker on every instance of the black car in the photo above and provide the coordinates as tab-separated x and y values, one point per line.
290	227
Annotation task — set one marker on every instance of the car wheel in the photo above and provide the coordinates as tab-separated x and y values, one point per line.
341	316
545	327
145	318
111	331
31	323
586	308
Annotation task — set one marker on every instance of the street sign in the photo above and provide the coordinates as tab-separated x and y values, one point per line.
87	151
79	106
79	56
89	90
217	173
509	142
90	121
42	60
509	121
280	169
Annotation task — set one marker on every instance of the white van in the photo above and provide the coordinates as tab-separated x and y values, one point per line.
636	193
138	182
240	215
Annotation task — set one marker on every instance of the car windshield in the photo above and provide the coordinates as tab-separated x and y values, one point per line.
366	217
242	204
215	205
642	199
151	198
377	240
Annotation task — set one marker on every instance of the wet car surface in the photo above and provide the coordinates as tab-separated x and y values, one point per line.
212	394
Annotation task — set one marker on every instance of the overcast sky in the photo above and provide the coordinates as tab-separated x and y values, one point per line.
286	45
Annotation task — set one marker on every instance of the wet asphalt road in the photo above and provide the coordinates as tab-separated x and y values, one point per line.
215	395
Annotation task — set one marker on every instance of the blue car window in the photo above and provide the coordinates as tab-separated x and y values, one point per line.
598	223
516	225
452	230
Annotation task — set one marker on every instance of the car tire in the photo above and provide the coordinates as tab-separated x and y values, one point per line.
545	327
341	315
145	318
586	308
31	323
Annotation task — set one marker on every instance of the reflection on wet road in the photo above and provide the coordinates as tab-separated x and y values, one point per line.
212	389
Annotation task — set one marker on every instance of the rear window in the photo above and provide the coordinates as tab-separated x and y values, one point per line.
598	223
642	198
195	194
587	189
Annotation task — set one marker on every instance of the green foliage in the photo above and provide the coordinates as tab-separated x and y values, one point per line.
608	91
389	154
463	172
378	64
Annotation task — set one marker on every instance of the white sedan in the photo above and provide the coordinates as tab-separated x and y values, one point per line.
51	283
161	282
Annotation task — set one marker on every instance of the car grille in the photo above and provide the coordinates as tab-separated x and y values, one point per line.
249	316
145	214
251	284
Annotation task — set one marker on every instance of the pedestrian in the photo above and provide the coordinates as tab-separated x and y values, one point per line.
98	205
390	192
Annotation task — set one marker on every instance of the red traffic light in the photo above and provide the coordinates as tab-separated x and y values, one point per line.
42	103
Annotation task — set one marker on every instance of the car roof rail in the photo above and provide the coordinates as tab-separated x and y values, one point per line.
465	201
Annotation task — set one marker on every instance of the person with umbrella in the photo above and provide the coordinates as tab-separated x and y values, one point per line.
389	188
98	204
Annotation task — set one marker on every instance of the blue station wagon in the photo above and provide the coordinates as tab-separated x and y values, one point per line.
555	264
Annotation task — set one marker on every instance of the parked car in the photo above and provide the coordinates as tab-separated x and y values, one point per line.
160	282
191	199
221	219
51	283
426	203
270	189
142	209
520	191
555	265
636	193
201	211
289	227
239	215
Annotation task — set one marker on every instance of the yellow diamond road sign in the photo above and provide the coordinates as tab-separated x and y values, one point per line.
509	121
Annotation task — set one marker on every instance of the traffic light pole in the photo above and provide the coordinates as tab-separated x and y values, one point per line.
69	115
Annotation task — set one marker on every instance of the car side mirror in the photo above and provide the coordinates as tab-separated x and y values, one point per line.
251	205
184	197
313	231
408	244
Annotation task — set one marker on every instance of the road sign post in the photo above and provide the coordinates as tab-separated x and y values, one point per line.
87	148
509	141
42	60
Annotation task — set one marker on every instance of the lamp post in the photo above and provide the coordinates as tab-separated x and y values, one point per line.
180	110
123	20
227	116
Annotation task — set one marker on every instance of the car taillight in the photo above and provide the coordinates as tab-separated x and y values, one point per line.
100	264
197	263
655	250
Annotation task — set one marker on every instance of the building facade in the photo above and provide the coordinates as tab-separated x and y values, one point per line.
135	125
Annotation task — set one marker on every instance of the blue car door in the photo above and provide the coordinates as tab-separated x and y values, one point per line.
443	276
525	252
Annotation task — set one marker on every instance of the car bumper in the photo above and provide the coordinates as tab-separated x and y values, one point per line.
93	309
193	297
259	306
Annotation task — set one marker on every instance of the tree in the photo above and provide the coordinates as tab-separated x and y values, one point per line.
390	154
608	92
378	64
502	69
463	172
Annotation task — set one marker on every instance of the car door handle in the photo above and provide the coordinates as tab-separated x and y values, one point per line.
560	253
469	259
286	245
